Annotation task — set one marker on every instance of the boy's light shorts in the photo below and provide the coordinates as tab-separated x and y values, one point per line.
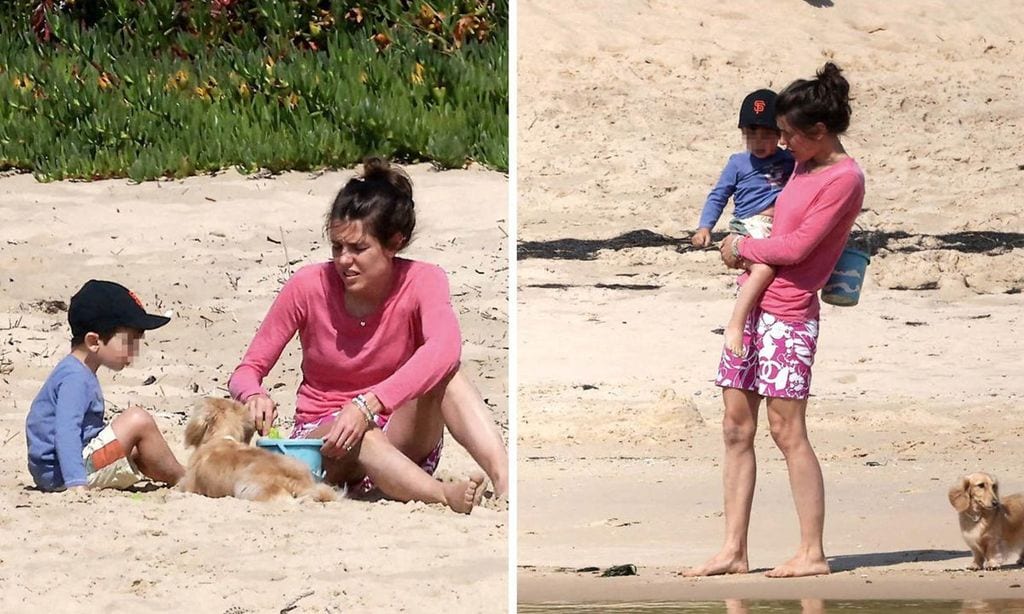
106	463
755	226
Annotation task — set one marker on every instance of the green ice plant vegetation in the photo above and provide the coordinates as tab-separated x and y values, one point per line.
92	89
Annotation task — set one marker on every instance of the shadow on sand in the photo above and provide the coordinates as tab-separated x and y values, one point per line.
850	562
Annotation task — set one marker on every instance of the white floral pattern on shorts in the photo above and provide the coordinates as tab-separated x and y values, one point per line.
778	358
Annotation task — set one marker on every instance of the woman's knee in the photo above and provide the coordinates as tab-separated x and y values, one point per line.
788	434
738	433
373	438
456	387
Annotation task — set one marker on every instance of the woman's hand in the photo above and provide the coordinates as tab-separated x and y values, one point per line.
263	410
701	238
346	432
730	259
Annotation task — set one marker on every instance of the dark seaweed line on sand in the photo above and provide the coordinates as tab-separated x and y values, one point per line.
969	242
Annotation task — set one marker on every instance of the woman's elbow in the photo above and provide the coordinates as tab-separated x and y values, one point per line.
453	359
451	355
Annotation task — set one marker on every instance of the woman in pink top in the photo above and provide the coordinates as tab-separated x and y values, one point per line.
813	218
380	356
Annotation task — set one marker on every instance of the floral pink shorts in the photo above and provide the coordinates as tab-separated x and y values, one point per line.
429	464
778	358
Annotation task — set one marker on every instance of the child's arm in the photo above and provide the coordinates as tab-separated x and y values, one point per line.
715	203
761	275
73	399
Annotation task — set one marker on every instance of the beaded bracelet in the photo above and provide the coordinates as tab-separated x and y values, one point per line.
360	402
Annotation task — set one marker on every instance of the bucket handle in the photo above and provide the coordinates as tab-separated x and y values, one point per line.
869	238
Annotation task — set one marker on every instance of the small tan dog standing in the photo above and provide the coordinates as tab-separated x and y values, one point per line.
992	527
225	465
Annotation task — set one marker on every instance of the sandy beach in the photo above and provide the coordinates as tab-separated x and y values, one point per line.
627	113
214	250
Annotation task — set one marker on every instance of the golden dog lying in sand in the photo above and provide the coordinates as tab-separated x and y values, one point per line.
992	527
225	465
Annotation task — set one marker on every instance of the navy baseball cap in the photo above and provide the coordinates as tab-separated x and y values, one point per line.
758	109
102	306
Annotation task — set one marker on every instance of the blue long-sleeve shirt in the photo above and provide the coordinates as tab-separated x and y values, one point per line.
65	415
753	183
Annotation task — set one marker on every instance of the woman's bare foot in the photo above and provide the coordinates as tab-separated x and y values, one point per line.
500	488
720	564
800	565
464	495
734	339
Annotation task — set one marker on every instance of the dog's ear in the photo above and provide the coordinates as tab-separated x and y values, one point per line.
248	425
958	496
994	484
198	423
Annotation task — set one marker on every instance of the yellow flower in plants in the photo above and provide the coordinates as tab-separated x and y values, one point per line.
104	81
181	77
417	74
363	76
292	100
22	83
202	93
243	90
429	19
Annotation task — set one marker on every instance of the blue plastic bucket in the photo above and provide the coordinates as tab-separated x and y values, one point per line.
843	286
306	450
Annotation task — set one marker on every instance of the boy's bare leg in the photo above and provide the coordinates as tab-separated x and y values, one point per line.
739	475
761	275
787	420
141	438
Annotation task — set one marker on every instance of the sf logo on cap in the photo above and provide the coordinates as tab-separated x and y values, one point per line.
135	298
759	106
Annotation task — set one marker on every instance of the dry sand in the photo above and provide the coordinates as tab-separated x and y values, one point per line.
626	116
215	251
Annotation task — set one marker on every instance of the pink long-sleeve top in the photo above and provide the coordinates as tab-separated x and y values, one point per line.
814	214
399	352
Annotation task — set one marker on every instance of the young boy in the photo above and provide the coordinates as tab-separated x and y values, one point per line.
753	179
69	446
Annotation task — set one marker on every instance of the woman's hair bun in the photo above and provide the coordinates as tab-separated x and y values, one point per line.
379	169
